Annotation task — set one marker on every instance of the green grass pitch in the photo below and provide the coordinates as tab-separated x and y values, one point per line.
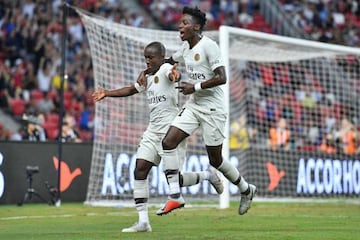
265	220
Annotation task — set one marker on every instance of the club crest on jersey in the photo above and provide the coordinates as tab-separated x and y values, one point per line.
197	57
156	79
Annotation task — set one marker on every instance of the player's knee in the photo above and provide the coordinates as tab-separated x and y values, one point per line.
167	144
215	162
140	173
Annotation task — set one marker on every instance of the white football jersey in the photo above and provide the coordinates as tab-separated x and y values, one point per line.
162	99
200	62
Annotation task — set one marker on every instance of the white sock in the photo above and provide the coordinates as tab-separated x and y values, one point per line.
193	178
233	175
144	215
229	171
243	185
171	167
141	191
174	184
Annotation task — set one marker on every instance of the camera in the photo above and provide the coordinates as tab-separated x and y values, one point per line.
32	169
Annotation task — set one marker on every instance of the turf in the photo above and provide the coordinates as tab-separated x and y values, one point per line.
266	220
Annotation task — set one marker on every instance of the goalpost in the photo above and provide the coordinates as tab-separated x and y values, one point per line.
269	78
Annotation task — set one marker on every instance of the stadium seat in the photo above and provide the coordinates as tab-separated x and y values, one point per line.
51	130
68	95
17	106
36	95
53	118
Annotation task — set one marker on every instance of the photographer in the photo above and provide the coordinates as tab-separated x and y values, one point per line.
69	134
32	129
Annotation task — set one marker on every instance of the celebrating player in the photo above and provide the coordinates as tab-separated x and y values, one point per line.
158	80
204	109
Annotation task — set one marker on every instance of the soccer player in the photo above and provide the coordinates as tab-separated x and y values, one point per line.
204	109
158	80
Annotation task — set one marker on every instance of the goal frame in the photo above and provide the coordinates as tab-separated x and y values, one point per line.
224	33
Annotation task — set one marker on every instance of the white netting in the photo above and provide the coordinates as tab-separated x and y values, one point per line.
311	85
313	88
117	57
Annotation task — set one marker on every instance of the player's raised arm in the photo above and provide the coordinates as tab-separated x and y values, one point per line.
174	75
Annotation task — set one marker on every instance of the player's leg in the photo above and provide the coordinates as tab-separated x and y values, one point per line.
192	178
147	157
233	175
171	163
213	134
183	125
141	196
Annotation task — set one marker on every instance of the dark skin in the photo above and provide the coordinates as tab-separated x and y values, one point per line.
190	31
154	59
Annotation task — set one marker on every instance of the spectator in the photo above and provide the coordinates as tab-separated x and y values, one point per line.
279	136
312	133
45	104
69	134
347	136
45	74
328	144
33	131
241	135
4	134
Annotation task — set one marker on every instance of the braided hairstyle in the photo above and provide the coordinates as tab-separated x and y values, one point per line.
197	14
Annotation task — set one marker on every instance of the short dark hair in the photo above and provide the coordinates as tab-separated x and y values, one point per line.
158	46
197	14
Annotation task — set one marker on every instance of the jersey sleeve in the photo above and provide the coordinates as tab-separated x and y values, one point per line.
214	55
139	88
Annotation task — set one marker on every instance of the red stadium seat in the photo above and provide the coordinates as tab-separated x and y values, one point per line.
51	130
53	118
17	106
37	94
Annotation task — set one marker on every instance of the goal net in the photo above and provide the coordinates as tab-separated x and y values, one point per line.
311	85
294	114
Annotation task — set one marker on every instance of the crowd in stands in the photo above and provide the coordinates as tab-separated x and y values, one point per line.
335	22
295	106
237	13
30	68
30	65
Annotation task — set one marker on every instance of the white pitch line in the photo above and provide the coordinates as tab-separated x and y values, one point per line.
36	217
91	214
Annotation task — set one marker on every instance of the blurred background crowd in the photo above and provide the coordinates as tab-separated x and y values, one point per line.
30	61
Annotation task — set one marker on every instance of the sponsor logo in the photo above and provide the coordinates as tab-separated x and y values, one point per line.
197	57
275	176
157	99
328	176
118	177
66	175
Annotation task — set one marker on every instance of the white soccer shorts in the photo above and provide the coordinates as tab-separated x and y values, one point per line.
150	148
211	124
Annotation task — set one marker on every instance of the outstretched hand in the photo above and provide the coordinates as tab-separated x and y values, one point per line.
174	74
99	94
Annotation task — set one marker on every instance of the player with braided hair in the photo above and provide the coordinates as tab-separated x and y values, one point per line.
204	109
